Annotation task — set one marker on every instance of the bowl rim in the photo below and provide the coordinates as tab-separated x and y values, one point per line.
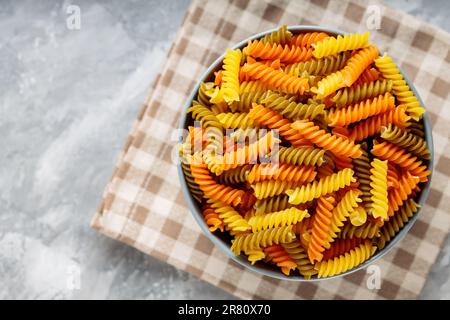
225	247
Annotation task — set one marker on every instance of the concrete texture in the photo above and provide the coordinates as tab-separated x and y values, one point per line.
67	101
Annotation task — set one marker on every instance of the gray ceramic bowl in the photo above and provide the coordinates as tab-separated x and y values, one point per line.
223	240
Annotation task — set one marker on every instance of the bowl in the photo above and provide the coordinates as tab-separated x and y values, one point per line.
222	241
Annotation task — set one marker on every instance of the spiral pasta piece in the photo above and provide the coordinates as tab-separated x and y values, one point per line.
255	255
343	162
319	67
213	131
368	230
271	188
300	257
332	45
362	167
357	64
396	197
308	39
340	247
397	222
212	161
289	54
273	120
234	176
320	227
360	111
281	36
406	140
202	96
282	218
348	204
262	238
219	108
216	100
248	153
351	95
290	109
249	92
378	183
416	128
285	172
230	78
392	175
213	190
194	188
204	115
273	204
250	86
246	205
328	85
276	79
369	75
278	255
212	219
345	262
372	126
389	151
337	145
246	100
400	88
300	156
322	187
230	217
304	226
235	120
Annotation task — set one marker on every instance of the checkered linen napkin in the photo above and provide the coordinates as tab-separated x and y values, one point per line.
143	205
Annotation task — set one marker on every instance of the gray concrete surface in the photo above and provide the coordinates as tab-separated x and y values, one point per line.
67	101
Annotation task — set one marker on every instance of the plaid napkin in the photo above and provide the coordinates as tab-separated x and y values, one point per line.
143	205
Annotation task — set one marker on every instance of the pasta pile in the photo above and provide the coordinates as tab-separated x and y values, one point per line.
306	150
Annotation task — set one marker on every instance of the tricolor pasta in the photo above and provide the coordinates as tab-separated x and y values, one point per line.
306	151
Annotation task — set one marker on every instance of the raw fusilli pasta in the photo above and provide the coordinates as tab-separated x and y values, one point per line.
379	189
278	255
333	45
281	36
306	150
308	39
345	262
337	145
262	238
354	94
289	54
290	109
400	88
276	79
360	111
277	219
319	67
397	222
300	156
406	140
322	187
230	79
